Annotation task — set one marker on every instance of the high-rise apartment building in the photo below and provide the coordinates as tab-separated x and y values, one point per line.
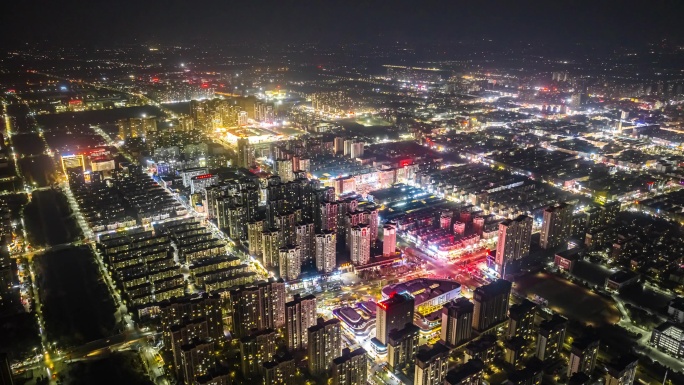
521	320
136	127
326	249
305	234
281	371
551	337
197	358
271	243
257	307
622	371
583	355
186	320
254	230
470	373
389	239
245	153
290	263
284	169
360	244
300	315
457	321
556	225
431	365
356	149
402	346
255	350
393	313
351	368
514	241
324	344
329	216
491	304
5	371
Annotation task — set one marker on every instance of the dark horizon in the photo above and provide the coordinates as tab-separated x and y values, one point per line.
276	22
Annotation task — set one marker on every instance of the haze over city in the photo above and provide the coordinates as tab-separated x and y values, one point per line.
342	192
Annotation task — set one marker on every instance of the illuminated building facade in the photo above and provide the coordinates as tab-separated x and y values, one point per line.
514	241
556	226
393	313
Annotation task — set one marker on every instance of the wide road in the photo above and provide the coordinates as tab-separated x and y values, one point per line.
466	275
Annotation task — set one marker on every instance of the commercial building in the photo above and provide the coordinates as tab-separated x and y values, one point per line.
431	365
514	241
324	344
457	321
583	354
393	313
566	259
429	295
199	183
326	247
521	320
189	173
491	304
551	337
556	225
300	315
470	373
351	368
669	338
621	279
402	346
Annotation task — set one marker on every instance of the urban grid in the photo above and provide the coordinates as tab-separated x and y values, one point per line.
290	203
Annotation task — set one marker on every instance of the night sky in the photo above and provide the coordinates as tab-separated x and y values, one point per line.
160	21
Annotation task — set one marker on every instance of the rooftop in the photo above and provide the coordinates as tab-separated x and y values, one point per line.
622	276
422	289
464	371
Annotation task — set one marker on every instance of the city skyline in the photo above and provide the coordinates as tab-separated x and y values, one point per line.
345	193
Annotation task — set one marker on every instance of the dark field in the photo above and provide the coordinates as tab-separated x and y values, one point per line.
48	219
592	273
19	335
645	297
38	171
118	368
76	119
28	144
76	304
75	140
568	299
